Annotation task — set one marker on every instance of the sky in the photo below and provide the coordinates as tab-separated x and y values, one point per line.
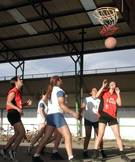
113	59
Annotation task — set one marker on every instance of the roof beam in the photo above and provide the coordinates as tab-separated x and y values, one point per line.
19	5
78	27
74	41
61	36
55	15
34	19
73	53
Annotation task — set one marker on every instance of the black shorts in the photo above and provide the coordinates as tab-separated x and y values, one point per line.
88	123
108	120
13	117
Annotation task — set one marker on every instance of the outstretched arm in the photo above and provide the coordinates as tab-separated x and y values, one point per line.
104	84
119	101
66	109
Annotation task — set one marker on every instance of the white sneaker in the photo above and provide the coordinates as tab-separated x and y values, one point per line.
12	155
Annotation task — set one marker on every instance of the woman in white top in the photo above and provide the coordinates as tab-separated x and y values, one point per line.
41	120
42	111
90	108
55	118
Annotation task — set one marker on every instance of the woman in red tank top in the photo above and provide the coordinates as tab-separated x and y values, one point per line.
108	115
14	107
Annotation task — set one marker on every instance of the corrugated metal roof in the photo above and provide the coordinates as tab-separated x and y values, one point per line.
69	18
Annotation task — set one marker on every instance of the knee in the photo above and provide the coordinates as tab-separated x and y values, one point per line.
68	136
22	133
99	137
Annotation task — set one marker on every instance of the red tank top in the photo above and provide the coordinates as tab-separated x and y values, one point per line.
110	104
17	101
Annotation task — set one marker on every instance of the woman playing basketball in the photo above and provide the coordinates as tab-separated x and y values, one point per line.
108	115
14	107
41	119
55	118
90	108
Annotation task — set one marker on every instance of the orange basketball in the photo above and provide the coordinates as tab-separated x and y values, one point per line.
110	42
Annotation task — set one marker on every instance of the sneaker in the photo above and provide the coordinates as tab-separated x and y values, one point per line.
56	156
37	159
12	155
29	150
102	154
42	151
4	153
125	158
96	157
85	154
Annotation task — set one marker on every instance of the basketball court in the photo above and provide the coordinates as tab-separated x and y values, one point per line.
37	29
111	151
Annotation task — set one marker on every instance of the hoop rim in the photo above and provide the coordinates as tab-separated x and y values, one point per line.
112	8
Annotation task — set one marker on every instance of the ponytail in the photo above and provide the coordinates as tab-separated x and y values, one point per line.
49	91
53	82
12	82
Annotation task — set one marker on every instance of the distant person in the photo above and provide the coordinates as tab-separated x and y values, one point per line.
89	110
42	111
55	118
108	115
14	107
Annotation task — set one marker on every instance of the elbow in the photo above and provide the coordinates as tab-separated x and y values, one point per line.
8	103
119	104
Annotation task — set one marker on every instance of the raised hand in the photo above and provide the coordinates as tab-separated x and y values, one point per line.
104	84
28	102
117	90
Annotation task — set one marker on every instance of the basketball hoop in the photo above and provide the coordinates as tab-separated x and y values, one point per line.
108	17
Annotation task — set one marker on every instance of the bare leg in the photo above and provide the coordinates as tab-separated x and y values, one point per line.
116	132
101	143
65	132
99	138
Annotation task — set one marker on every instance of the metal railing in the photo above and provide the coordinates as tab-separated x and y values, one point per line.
70	73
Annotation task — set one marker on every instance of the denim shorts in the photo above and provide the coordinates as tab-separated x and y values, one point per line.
56	120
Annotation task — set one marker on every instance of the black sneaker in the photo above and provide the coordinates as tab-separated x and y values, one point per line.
56	156
37	159
125	158
43	151
102	154
96	157
4	153
85	154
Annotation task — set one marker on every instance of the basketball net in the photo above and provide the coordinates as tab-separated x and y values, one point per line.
108	17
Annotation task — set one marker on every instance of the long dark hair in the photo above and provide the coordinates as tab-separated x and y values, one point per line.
53	82
12	81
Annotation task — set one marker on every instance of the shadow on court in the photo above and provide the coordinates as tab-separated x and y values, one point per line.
111	152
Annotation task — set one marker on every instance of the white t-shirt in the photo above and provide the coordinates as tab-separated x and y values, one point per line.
41	105
53	105
91	109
